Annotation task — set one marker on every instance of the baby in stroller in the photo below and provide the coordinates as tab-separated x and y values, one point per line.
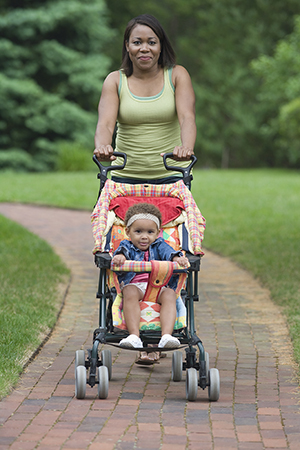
143	224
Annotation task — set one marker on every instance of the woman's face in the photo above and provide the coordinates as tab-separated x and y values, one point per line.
143	48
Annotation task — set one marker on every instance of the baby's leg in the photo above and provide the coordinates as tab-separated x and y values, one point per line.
131	308
167	300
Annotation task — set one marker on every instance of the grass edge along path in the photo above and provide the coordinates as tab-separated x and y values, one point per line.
29	303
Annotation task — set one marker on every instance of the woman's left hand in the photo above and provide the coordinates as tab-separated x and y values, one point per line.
181	153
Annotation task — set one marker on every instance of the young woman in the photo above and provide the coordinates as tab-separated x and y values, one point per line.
153	103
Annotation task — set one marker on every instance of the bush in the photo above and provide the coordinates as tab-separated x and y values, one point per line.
17	160
72	157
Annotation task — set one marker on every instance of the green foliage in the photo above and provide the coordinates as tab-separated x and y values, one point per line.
280	90
55	54
73	158
52	63
16	159
216	41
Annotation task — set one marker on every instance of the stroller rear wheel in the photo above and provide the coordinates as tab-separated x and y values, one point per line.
107	361
177	366
206	365
79	358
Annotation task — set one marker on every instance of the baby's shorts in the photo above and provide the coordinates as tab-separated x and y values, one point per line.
143	286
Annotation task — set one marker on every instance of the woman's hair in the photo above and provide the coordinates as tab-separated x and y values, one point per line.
142	208
167	56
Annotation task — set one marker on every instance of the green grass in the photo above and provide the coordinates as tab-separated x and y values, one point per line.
253	216
30	273
63	189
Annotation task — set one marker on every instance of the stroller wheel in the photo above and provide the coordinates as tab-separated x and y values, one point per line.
191	384
103	382
79	359
80	382
214	385
107	361
206	365
177	366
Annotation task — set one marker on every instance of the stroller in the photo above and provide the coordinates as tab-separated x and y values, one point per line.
183	227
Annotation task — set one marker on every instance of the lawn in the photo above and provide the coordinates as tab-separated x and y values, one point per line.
29	300
253	216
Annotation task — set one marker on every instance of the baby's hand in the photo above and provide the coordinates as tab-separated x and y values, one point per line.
118	260
182	261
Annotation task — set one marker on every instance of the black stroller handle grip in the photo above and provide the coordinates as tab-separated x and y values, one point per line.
186	171
102	175
105	169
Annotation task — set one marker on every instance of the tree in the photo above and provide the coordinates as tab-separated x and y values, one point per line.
280	90
52	67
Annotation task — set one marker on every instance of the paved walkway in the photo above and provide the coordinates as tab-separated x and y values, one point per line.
242	330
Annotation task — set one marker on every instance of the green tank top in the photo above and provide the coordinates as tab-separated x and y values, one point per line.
147	127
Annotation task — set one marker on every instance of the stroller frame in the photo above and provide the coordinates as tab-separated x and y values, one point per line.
100	370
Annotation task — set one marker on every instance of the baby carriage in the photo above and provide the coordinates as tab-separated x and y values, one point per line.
183	227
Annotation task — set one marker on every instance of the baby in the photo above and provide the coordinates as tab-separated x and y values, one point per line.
143	224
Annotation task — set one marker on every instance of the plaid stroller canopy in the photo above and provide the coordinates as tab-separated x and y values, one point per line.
191	223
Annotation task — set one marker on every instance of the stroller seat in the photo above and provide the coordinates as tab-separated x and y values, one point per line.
160	271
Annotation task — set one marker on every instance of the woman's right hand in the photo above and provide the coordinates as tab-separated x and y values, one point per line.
104	153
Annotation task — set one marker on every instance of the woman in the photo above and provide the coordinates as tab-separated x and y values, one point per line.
153	102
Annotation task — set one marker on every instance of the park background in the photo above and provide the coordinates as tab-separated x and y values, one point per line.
244	61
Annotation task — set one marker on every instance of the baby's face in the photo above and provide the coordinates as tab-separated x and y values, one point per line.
143	233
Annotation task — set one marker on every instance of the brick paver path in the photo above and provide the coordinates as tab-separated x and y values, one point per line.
244	333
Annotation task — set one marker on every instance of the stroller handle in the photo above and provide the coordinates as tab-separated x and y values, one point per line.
105	169
186	171
102	175
145	267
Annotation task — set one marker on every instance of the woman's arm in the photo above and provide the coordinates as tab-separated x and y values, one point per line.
185	106
107	117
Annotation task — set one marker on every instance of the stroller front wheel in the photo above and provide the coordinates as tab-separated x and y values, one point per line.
103	382
191	384
80	382
214	385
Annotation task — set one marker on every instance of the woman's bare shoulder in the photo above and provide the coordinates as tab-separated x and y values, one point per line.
112	80
180	71
180	74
